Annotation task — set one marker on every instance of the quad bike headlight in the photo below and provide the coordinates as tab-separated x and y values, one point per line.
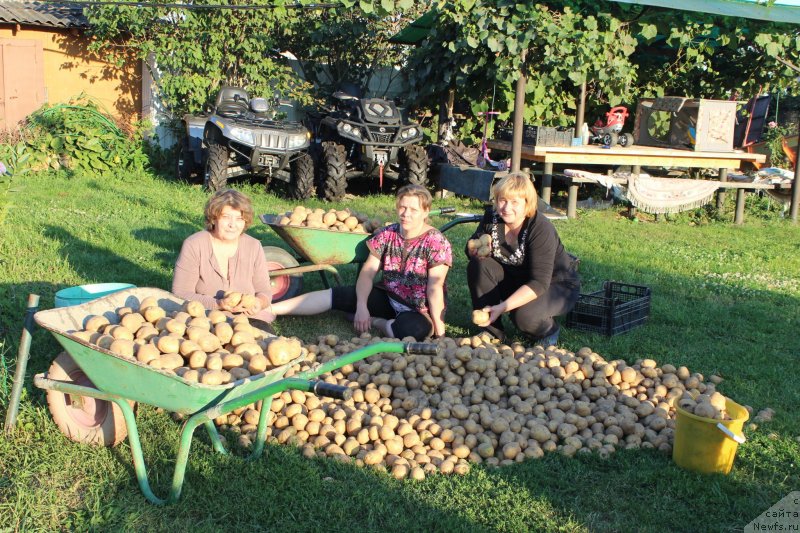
409	133
296	141
349	130
243	135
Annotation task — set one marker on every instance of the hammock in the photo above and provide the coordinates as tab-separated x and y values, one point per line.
656	195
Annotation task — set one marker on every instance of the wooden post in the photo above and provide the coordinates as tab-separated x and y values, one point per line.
635	171
738	218
519	117
723	177
795	184
572	200
547	182
579	120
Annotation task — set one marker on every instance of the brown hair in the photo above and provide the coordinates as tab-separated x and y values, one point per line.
420	192
517	185
235	199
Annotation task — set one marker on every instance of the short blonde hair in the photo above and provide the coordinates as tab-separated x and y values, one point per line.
418	191
228	197
517	185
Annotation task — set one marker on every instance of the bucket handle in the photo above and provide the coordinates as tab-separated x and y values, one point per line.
730	434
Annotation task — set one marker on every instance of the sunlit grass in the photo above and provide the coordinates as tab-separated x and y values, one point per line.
725	301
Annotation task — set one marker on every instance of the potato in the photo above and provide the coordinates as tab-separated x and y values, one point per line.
153	313
147	352
194	308
213	377
168	344
280	350
95	323
215	316
122	347
148	301
132	321
224	332
257	364
480	317
230	300
248	301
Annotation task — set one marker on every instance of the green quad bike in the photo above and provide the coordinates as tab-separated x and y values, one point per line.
245	136
365	137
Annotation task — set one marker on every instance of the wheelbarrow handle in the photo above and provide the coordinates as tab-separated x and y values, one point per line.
422	348
330	390
443	211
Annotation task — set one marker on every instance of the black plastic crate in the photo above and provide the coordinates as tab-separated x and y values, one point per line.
537	135
616	309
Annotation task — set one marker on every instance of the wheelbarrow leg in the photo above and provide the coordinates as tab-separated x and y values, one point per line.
261	432
136	452
213	434
130	423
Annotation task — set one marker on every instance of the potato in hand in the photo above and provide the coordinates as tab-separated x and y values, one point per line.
230	300
480	317
248	302
481	247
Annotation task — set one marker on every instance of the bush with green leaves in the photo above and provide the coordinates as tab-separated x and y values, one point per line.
774	137
77	135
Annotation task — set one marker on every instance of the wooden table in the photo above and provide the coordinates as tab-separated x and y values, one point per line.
635	156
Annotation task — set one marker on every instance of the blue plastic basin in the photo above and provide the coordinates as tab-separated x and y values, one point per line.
86	293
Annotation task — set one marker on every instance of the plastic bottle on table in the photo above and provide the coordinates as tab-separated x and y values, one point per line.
585	133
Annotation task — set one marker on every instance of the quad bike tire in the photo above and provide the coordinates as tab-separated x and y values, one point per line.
301	184
185	167
334	167
216	171
610	139
83	419
414	166
283	287
625	140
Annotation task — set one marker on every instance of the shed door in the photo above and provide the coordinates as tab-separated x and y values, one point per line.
21	80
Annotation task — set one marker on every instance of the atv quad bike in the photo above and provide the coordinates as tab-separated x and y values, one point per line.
366	137
243	135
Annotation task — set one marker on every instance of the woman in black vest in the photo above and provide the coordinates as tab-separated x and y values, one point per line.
527	273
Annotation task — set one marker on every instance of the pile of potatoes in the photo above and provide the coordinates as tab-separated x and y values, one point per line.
200	346
479	401
482	246
344	220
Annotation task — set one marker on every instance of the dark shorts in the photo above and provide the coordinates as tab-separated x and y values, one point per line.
406	324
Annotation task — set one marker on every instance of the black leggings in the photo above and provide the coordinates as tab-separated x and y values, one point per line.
491	282
406	324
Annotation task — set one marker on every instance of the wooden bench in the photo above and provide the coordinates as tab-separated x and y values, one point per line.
741	188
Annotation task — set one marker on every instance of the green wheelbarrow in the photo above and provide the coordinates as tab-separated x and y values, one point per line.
320	250
112	383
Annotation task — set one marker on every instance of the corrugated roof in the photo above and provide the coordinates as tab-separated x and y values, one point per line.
44	14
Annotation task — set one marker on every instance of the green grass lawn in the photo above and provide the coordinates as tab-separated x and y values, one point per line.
726	300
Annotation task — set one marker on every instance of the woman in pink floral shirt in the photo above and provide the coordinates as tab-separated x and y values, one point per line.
414	258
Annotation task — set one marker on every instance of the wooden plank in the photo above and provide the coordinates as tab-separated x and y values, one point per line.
647	156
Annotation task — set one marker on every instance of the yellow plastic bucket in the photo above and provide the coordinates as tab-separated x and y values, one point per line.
706	445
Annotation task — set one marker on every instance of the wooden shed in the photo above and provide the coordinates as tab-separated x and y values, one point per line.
44	58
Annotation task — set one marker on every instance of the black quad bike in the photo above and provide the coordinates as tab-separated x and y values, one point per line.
365	137
245	136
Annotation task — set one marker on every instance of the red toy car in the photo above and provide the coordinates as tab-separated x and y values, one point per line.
609	134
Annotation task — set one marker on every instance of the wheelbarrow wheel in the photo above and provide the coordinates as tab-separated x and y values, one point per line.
283	287
83	419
